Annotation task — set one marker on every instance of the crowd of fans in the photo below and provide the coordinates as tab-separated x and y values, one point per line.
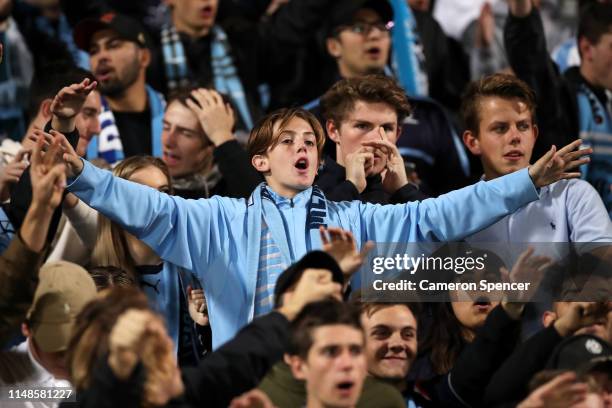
192	192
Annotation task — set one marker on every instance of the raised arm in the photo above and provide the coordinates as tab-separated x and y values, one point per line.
525	44
20	262
460	213
187	233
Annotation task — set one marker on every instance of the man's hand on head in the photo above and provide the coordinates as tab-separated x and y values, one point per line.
215	116
314	285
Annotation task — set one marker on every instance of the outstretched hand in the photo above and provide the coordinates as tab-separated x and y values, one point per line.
70	99
554	165
47	174
527	268
63	151
341	245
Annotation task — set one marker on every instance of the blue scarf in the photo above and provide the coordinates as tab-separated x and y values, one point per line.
262	206
225	74
7	231
408	56
596	132
108	143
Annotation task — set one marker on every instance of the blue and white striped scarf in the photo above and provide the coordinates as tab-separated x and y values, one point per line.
275	254
225	74
107	144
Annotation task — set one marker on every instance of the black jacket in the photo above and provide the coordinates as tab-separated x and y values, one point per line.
233	369
557	112
510	383
446	63
332	181
476	363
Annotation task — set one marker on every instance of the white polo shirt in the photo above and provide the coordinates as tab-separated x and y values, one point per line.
567	211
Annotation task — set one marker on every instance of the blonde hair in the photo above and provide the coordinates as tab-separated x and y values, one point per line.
111	247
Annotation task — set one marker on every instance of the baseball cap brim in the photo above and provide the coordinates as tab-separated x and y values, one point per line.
344	12
85	30
52	337
603	363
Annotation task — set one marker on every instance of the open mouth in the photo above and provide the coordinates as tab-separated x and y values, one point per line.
373	52
482	303
103	73
206	12
301	164
171	159
345	386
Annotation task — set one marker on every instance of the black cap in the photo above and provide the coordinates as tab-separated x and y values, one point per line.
344	12
127	28
312	260
582	353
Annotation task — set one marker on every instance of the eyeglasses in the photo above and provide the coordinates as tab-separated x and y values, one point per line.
364	28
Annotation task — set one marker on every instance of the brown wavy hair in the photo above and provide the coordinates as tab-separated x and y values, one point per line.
90	342
341	98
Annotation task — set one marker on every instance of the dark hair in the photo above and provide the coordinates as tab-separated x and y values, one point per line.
443	334
497	85
47	82
340	99
182	94
318	314
110	276
595	20
443	339
263	136
371	307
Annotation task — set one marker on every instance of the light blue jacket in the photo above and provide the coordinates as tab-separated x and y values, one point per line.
218	238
